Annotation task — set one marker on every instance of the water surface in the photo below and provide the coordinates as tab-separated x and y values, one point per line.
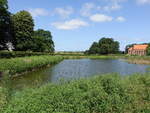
78	68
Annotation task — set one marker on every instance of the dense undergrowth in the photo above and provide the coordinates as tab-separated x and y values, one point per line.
19	65
100	94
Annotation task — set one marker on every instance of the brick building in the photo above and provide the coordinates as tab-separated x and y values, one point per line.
139	49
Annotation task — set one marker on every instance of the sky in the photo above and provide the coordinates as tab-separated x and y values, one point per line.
76	24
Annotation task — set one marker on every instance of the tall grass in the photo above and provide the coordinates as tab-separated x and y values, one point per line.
5	90
101	94
19	65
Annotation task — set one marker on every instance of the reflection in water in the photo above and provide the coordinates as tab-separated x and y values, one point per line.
74	69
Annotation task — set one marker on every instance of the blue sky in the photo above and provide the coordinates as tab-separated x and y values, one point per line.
76	24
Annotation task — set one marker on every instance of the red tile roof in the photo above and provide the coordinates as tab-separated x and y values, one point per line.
139	47
131	48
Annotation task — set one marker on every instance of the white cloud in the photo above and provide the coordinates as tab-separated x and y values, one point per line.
108	6
38	12
120	19
143	2
64	12
69	25
113	5
87	8
101	18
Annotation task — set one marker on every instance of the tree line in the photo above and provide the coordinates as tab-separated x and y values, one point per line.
104	46
17	32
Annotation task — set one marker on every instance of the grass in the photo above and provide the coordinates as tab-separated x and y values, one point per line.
100	94
19	65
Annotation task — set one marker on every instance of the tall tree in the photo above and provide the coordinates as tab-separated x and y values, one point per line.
43	41
5	24
23	30
105	46
108	46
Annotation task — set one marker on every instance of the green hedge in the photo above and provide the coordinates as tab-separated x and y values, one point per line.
7	54
101	94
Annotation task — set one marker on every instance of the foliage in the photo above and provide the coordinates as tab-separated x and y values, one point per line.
42	41
99	94
104	46
148	50
5	24
17	32
19	65
23	30
8	54
94	49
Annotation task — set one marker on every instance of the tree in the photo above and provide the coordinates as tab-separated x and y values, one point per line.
23	30
5	24
108	46
94	49
42	41
105	46
148	49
